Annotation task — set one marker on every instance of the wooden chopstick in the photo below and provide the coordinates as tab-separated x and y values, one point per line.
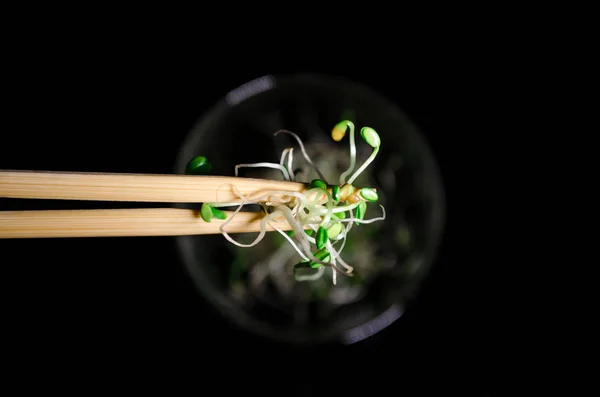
134	187
122	222
129	187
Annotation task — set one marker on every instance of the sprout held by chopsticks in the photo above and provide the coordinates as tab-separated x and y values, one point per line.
322	208
338	133
372	138
199	165
208	212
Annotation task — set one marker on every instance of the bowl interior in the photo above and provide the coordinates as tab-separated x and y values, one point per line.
254	287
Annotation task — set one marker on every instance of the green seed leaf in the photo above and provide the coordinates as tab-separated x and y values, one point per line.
360	211
206	212
339	131
322	255
340	215
334	230
321	237
199	165
317	183
218	213
370	136
369	194
335	192
290	233
310	232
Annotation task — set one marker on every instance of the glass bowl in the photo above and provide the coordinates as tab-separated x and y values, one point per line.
254	287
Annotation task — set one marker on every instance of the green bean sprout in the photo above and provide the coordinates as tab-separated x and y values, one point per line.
320	217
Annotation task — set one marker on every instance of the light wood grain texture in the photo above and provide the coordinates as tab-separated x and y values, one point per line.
122	222
134	187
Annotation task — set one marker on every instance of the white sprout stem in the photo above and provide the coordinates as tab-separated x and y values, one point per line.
237	191
298	229
365	165
246	201
346	207
344	264
281	200
306	157
280	167
261	235
220	205
290	164
336	210
288	238
285	151
330	244
295	208
351	223
254	200
317	212
345	233
236	203
237	210
290	158
336	255
352	155
341	237
333	273
381	218
329	211
310	239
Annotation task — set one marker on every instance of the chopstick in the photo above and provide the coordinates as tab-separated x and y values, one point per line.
135	187
130	187
122	222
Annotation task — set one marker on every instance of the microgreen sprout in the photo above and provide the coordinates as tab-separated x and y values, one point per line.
337	134
306	156
199	165
335	192
372	138
317	183
322	237
360	211
218	213
206	212
320	217
369	194
334	230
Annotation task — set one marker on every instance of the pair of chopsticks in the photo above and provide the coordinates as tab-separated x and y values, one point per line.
133	188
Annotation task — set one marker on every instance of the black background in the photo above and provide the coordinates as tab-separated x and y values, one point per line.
127	109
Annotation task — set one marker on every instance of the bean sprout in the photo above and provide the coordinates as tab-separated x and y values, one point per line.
329	211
